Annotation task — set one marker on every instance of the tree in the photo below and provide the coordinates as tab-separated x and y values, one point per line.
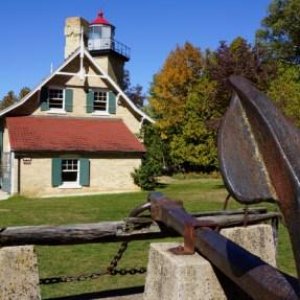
239	58
169	92
126	80
134	93
195	147
190	94
280	31
279	37
10	98
153	163
170	87
285	91
23	92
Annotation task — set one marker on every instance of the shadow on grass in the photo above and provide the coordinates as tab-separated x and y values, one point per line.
162	185
218	186
159	185
132	291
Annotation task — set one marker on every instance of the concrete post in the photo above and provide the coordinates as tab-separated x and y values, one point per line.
172	277
19	278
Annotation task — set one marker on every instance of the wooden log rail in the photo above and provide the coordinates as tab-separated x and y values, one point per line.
133	228
256	278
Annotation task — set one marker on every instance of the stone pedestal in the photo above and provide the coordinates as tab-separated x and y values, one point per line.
173	277
19	278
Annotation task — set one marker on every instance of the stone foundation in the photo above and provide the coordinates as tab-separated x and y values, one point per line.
169	276
19	278
173	277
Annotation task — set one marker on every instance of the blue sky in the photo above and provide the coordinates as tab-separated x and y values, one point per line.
32	32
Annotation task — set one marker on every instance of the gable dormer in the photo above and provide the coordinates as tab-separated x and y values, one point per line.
60	100
56	99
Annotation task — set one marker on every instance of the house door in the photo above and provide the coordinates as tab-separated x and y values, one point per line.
6	171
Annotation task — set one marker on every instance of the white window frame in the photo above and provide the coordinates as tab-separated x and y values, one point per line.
57	110
101	112
71	184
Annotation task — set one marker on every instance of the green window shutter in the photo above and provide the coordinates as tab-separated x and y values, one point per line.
112	105
90	102
84	179
69	100
44	99
56	172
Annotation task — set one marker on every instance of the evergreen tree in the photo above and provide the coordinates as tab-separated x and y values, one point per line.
153	162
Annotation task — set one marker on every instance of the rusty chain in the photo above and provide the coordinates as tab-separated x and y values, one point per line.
112	268
64	279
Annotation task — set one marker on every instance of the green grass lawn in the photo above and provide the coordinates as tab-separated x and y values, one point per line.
197	195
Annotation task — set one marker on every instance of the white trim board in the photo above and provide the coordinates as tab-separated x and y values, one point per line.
83	52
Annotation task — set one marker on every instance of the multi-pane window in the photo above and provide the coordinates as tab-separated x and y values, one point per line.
56	98
70	170
100	100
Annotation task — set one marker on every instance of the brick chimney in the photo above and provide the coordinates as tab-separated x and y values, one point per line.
73	27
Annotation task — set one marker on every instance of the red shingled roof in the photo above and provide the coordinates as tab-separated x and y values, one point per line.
56	134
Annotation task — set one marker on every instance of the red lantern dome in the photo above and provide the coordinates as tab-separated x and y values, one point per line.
100	20
101	39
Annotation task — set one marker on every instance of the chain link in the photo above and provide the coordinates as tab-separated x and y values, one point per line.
111	269
64	279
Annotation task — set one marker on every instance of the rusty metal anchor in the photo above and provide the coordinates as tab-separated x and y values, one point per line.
255	277
259	153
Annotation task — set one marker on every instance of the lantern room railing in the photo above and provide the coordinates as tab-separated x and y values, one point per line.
109	44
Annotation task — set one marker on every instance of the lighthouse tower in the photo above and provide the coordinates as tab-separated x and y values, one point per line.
110	54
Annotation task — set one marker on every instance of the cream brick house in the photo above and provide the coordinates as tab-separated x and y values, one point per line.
75	133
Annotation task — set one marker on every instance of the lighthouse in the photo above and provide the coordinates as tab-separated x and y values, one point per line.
110	54
105	49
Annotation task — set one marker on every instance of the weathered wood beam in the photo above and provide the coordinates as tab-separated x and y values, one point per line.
103	232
